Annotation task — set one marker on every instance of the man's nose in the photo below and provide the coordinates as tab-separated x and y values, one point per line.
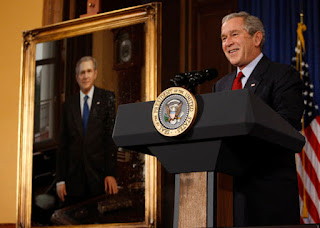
229	41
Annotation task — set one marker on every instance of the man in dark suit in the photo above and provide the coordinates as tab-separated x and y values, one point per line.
86	158
268	194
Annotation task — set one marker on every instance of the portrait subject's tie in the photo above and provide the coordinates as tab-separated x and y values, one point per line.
85	114
237	82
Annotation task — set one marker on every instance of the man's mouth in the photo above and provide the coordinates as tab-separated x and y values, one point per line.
233	50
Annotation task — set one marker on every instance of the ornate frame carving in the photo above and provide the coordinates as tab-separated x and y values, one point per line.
150	15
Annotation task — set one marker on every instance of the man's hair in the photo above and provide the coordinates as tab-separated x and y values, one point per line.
84	59
252	24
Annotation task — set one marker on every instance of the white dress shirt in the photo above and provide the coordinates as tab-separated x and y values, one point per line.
89	101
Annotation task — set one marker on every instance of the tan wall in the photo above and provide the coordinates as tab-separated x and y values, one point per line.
16	16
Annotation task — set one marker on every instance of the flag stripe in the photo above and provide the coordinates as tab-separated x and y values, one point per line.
310	188
312	166
310	153
312	138
310	197
307	220
304	220
318	121
311	174
315	126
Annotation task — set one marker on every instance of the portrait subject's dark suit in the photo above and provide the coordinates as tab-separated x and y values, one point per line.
83	161
269	191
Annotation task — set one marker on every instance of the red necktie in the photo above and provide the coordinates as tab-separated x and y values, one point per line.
237	82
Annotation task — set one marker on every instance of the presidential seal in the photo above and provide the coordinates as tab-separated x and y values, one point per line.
174	111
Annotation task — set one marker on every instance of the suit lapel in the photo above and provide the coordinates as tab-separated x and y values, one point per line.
76	112
257	74
229	81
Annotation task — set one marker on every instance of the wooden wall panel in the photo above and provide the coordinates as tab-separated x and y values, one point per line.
52	11
224	200
205	38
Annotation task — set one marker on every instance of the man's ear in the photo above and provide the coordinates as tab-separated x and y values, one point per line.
95	74
257	38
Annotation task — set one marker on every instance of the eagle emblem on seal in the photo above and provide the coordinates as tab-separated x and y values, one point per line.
173	114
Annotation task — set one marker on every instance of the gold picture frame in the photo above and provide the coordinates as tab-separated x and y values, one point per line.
150	16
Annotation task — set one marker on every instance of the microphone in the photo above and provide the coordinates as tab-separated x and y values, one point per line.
179	80
194	78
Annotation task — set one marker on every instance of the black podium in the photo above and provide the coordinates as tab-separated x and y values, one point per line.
224	120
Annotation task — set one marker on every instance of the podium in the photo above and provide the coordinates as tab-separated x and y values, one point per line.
224	138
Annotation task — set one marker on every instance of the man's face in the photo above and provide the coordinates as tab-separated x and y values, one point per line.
238	45
87	76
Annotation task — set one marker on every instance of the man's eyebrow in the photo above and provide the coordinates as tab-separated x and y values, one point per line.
231	31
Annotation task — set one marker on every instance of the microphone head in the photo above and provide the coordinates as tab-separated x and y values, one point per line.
179	80
210	73
193	78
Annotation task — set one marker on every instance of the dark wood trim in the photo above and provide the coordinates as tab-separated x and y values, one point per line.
7	225
52	11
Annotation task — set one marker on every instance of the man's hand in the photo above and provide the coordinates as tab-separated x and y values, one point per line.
61	191
110	185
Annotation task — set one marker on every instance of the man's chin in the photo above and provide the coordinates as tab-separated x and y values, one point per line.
85	90
234	62
232	59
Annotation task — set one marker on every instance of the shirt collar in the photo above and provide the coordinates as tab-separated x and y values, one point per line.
250	67
90	94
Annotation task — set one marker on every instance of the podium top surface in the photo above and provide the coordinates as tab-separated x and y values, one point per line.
220	115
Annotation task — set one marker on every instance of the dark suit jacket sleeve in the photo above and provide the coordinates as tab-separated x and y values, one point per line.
111	151
287	100
61	160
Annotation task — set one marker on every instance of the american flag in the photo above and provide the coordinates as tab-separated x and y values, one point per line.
308	161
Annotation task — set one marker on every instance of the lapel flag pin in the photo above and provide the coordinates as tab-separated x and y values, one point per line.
253	84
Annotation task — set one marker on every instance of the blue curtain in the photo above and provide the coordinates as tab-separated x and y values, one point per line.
280	18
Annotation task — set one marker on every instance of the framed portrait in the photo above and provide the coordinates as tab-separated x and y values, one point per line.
126	44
